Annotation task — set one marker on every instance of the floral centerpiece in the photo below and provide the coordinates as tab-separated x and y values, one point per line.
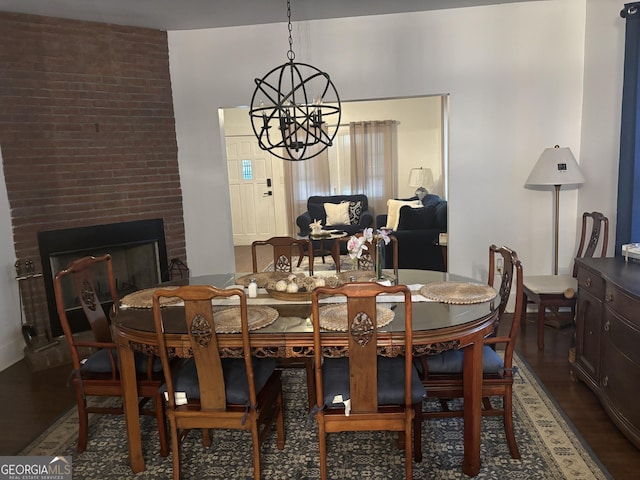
357	245
316	227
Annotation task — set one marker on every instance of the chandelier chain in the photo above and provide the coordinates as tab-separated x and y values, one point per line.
290	55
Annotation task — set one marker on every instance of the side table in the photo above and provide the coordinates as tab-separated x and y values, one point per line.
319	248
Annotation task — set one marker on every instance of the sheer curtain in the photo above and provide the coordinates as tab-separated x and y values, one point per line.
304	179
628	216
372	152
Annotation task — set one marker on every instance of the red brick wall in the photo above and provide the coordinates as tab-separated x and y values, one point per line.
87	128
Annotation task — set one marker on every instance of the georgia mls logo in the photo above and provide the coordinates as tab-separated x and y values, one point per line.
35	468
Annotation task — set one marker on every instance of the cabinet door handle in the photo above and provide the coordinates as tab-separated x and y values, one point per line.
587	282
605	381
607	326
608	297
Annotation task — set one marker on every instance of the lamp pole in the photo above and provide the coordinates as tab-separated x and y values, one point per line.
555	259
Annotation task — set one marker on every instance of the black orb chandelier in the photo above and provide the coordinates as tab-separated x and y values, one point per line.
295	109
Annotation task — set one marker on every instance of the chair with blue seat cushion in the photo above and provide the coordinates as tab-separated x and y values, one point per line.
442	373
95	362
230	393
382	393
284	250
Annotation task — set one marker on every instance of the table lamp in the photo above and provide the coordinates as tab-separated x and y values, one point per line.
421	178
556	166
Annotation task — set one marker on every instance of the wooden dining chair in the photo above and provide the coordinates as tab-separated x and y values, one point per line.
284	250
243	393
442	373
95	361
382	393
552	292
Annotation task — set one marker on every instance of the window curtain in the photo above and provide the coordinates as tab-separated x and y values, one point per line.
303	179
628	214
372	152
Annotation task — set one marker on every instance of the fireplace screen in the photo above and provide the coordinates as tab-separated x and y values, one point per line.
134	266
138	253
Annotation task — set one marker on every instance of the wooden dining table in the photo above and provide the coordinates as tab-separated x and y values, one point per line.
437	326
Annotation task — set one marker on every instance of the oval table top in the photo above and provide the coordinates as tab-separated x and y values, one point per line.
294	322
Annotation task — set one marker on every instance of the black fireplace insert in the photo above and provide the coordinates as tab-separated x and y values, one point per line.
139	256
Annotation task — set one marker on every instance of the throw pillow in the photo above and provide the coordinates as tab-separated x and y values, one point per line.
417	218
316	212
337	213
355	210
393	212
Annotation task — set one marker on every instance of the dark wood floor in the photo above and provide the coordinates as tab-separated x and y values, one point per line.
33	400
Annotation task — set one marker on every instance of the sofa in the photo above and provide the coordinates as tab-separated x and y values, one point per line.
418	230
358	214
357	218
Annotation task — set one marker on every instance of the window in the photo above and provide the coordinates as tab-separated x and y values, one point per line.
247	171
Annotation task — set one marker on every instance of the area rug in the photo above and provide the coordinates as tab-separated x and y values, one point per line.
549	446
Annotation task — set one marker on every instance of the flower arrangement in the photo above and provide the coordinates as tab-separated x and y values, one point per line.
316	226
357	245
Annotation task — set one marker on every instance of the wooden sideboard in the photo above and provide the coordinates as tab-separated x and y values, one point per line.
608	337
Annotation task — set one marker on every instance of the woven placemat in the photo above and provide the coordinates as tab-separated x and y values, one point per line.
258	316
144	298
460	293
262	278
334	317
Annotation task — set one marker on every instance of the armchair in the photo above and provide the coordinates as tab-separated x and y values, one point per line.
359	215
353	219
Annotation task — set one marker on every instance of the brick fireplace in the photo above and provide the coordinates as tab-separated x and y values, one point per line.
138	252
87	133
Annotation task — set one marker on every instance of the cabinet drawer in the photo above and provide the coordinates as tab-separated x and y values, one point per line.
590	282
619	333
620	383
623	304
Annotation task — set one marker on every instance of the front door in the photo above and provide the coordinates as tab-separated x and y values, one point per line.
251	190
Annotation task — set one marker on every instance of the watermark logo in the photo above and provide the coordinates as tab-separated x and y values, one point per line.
36	468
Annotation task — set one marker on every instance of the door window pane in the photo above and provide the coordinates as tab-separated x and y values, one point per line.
247	172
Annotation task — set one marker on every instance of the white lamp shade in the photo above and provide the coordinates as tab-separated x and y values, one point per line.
556	166
421	177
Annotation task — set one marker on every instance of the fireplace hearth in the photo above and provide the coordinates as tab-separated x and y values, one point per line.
138	252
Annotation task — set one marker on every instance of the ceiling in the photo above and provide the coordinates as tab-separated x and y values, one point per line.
194	14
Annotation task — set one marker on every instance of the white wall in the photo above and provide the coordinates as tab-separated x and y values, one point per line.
514	73
600	142
11	340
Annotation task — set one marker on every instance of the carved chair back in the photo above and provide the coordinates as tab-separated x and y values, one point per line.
284	249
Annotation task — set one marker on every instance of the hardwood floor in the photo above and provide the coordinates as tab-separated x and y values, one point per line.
33	400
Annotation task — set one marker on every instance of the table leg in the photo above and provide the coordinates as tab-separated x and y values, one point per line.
541	313
472	381
130	405
335	254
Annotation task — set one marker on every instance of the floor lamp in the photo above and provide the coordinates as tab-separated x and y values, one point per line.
556	166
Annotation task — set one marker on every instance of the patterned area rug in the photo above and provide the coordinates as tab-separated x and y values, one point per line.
549	447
